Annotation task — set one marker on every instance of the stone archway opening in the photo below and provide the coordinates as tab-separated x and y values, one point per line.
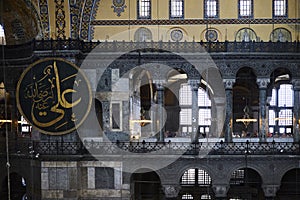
245	183
290	185
146	185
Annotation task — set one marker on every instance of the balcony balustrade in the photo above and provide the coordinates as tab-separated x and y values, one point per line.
150	148
50	46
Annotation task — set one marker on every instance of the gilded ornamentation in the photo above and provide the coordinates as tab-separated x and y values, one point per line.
50	96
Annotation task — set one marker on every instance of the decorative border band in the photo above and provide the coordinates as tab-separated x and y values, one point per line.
193	22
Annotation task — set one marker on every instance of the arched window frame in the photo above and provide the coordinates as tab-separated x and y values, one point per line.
143	35
287	37
250	32
196	176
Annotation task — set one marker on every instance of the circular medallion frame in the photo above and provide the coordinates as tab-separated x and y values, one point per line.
47	93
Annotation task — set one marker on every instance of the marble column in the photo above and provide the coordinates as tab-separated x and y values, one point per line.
296	108
263	121
228	84
161	111
194	84
171	191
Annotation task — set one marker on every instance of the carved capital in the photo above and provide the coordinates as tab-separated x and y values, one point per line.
220	190
171	191
194	84
228	83
296	84
270	190
263	82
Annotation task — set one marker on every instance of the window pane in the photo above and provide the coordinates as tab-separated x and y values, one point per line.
144	8
204	117
203	178
186	116
185	95
285	117
188	177
273	100
279	7
2	35
271	117
211	8
203	99
245	8
285	95
176	8
187	196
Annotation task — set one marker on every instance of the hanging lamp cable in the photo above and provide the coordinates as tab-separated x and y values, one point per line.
5	110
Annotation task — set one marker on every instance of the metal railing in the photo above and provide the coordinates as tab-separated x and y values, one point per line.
152	148
28	49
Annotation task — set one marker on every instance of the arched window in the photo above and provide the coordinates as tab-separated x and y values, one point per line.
245	35
281	111
204	106
143	35
281	35
195	176
2	35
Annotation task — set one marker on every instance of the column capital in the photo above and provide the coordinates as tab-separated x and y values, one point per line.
194	83
220	190
296	83
171	191
270	190
263	82
228	83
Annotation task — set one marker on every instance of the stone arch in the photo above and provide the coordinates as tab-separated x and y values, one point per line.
188	166
197	182
281	35
245	182
253	167
290	185
89	10
245	35
143	35
18	30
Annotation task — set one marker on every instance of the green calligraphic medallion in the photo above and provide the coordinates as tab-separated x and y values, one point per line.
54	96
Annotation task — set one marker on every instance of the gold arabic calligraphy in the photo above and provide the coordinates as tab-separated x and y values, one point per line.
48	95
